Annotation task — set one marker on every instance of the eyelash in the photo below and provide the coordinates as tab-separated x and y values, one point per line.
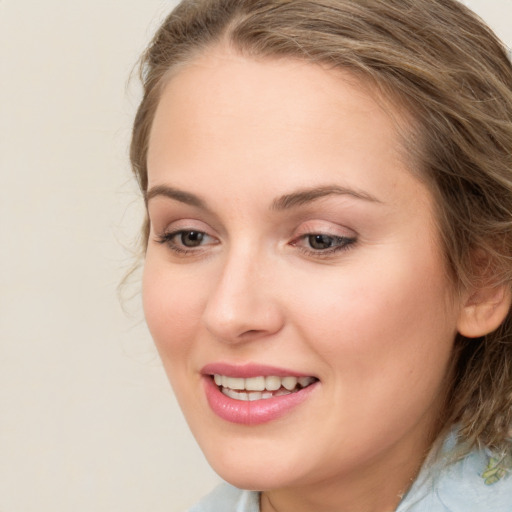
343	243
181	250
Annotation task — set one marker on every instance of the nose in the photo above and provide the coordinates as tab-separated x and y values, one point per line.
243	304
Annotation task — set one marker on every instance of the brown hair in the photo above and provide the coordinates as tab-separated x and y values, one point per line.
452	74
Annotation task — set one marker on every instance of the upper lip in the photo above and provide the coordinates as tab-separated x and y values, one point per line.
249	370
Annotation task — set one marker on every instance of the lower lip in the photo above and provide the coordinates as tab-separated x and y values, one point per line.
252	412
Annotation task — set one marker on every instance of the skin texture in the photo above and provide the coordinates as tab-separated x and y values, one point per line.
374	321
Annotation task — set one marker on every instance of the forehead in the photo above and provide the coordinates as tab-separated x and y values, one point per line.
224	112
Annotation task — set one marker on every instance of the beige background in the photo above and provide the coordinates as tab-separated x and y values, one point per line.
87	419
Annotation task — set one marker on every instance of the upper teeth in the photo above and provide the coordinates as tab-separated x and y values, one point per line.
269	383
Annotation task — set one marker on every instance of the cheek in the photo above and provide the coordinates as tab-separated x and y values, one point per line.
382	318
172	306
385	341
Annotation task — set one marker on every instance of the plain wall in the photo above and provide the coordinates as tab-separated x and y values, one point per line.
87	419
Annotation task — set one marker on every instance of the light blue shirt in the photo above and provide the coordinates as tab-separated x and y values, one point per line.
479	482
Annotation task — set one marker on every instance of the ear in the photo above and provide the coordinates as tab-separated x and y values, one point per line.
484	310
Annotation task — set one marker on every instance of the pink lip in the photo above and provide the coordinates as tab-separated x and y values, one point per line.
251	412
248	370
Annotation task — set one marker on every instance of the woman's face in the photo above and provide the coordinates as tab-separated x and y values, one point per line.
292	246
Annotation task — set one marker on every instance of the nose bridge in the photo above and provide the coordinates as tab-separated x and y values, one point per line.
242	304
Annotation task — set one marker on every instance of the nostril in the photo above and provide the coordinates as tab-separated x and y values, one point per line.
252	332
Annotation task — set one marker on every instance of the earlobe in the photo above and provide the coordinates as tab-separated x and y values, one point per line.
484	311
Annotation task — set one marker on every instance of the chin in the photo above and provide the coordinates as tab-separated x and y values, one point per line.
255	468
252	479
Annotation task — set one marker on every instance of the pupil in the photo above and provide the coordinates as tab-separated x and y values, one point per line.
191	238
320	241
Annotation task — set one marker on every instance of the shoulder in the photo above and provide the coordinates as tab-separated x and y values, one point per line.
227	498
479	482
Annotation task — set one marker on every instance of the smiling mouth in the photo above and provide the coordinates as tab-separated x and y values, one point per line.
260	388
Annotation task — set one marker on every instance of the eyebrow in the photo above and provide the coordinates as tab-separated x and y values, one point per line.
308	195
283	202
176	194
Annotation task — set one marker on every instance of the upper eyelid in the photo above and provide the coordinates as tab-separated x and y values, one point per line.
325	228
346	233
163	219
296	204
186	224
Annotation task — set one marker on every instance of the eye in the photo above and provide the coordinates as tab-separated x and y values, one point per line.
321	244
185	241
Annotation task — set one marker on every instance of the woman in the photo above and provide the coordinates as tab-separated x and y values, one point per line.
328	249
